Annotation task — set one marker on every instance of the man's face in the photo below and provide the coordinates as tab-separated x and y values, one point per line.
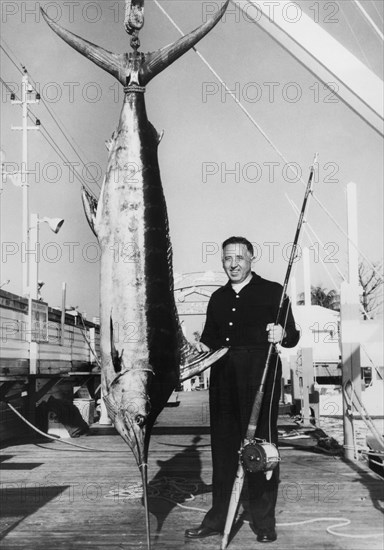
237	262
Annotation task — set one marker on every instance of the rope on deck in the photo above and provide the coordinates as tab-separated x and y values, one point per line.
343	523
182	487
175	489
83	447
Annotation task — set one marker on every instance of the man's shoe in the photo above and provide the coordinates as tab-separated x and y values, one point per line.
200	532
266	535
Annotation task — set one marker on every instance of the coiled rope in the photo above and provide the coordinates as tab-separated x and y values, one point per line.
343	523
177	488
183	489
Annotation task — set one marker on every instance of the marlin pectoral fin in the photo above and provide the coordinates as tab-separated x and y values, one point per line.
116	358
194	362
157	61
111	406
90	207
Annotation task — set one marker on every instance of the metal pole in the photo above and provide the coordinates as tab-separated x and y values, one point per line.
24	102
33	256
24	183
29	283
33	267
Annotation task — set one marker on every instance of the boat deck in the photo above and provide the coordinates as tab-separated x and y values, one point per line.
59	497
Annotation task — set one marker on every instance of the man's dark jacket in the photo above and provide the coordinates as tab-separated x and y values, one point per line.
241	319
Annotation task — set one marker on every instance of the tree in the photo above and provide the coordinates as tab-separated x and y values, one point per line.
371	282
320	296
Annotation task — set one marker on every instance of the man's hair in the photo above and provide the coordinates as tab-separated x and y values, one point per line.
238	240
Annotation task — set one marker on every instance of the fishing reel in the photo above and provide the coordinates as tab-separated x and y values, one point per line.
258	455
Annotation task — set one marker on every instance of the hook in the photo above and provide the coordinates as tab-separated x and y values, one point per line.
134	20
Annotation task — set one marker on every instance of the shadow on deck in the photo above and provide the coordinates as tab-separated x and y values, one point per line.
55	496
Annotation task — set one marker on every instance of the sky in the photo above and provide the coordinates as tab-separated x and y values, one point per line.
220	175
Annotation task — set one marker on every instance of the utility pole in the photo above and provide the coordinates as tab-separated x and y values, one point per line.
26	90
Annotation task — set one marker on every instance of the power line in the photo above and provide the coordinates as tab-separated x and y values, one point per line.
369	19
377	11
11	60
51	141
264	134
354	35
6	86
59	125
307	229
64	158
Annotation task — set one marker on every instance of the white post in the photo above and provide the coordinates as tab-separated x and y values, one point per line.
104	419
349	320
92	340
350	357
307	277
353	254
307	381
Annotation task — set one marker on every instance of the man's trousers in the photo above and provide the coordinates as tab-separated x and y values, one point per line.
234	382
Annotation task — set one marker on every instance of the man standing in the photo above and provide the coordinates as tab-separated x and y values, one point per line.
241	316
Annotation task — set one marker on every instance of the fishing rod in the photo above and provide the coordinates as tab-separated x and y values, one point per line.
257	455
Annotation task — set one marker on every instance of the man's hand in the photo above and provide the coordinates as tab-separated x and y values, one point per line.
275	333
201	347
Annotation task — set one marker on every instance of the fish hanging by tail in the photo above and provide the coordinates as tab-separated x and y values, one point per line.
144	354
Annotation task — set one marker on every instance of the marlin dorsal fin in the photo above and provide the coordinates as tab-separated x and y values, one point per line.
90	207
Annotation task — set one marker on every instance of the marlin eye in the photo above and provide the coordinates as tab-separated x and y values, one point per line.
140	420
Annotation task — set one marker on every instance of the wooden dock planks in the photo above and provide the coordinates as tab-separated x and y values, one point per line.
58	497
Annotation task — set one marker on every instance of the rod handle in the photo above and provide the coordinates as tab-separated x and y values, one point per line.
254	415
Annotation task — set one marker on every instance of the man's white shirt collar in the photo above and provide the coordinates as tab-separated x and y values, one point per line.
238	286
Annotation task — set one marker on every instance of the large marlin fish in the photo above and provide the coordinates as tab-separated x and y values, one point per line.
143	350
